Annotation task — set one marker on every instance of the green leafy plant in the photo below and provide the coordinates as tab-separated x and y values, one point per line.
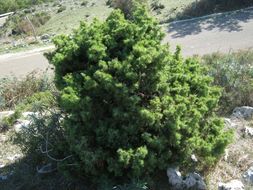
131	107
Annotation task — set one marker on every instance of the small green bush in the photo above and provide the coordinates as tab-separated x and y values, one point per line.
132	108
234	73
61	9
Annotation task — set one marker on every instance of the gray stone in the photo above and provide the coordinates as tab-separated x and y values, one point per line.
21	124
248	175
232	185
5	114
46	169
244	112
175	179
45	37
248	131
192	181
201	185
3	177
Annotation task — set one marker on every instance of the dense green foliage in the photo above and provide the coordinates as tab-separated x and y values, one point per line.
13	5
131	107
234	73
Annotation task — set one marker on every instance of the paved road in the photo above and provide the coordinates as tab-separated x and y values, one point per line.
223	32
21	64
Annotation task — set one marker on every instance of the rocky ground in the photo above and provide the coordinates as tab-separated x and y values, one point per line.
234	171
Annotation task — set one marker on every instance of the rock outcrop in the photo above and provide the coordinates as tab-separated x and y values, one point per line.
190	182
244	112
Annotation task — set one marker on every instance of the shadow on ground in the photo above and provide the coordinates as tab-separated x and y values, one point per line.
22	175
230	22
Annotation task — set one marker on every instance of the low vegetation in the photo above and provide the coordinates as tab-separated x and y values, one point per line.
22	23
14	91
205	7
234	73
14	5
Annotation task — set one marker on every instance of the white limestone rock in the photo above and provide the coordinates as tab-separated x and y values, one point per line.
5	114
248	131
192	181
248	175
232	185
21	124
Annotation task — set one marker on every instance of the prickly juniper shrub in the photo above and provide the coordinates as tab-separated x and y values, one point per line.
132	108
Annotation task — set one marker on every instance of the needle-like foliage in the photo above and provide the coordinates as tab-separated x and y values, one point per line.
132	108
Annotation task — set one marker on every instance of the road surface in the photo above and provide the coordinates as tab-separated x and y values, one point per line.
220	32
20	64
